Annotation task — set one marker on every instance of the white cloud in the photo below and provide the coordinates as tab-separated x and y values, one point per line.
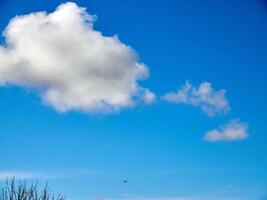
71	65
232	131
212	102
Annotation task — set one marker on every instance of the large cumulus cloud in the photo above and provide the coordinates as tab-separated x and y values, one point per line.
71	65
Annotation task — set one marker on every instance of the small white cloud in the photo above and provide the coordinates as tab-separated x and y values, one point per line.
232	131
70	64
210	101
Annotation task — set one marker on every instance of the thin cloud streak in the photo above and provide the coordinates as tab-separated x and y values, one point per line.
132	197
52	175
19	175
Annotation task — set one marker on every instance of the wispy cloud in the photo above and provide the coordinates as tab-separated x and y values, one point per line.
20	175
210	101
234	130
59	174
133	197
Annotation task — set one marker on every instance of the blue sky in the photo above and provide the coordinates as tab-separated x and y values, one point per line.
159	148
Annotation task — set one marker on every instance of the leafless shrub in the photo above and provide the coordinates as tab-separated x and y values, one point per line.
19	190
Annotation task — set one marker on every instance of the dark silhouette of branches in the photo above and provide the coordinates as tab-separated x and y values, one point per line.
20	191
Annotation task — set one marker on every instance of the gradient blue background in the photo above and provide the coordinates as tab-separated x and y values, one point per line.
158	149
